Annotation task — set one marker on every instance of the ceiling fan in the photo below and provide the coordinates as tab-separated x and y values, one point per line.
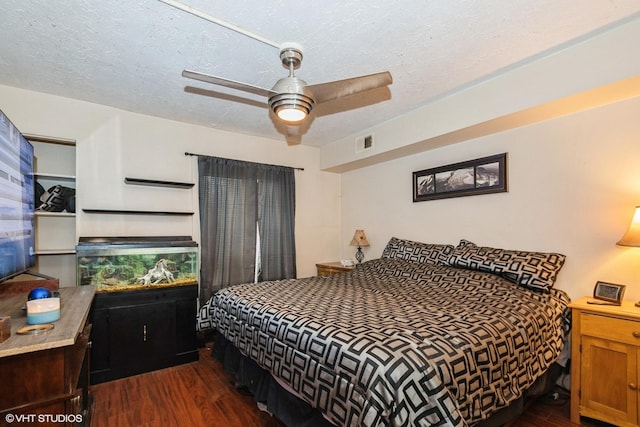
291	99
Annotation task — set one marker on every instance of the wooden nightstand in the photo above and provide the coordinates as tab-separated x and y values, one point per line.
605	366
329	268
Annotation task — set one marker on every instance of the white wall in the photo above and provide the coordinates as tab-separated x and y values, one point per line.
573	184
113	144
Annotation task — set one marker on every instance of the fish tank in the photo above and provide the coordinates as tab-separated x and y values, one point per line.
115	264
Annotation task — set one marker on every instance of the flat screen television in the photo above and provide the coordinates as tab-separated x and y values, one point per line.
17	201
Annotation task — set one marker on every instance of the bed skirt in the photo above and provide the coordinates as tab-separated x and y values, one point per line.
295	412
266	391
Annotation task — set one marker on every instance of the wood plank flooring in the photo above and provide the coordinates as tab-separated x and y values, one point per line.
202	394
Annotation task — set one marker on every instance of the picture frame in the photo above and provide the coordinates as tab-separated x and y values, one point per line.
479	176
610	292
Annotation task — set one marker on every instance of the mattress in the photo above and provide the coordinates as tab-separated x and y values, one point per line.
394	342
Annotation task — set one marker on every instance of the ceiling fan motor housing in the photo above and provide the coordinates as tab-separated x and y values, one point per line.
291	56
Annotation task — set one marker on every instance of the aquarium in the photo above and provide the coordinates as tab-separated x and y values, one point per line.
116	264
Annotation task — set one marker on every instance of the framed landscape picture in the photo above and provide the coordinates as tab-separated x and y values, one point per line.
480	176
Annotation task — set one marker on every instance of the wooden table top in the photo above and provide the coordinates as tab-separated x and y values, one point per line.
74	309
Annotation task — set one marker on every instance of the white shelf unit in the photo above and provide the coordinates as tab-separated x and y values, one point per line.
55	231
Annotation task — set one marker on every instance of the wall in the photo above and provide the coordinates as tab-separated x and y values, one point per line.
113	144
573	184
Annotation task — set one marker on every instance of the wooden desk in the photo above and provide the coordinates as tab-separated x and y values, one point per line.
47	375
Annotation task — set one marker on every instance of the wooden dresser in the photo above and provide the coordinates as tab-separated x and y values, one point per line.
605	366
329	268
45	377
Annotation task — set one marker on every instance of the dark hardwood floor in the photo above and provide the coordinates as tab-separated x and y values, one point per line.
202	394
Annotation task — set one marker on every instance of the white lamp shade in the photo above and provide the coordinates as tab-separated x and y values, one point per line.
632	236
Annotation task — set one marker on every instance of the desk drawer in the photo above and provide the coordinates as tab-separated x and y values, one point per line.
610	328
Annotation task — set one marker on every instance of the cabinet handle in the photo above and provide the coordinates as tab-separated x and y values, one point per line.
632	386
636	334
144	333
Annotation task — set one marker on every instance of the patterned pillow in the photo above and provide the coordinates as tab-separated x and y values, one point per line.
534	270
408	250
400	268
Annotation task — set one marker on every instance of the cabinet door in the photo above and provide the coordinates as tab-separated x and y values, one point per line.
142	337
186	338
609	381
100	350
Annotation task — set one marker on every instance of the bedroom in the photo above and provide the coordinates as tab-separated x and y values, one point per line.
573	176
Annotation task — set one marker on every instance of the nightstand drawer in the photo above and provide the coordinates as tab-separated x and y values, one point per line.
610	328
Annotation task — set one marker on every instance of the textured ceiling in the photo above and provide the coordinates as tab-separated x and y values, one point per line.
130	54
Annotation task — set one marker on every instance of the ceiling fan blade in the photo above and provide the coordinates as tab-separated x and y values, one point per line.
207	78
332	90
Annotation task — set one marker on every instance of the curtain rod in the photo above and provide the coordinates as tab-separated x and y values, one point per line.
186	153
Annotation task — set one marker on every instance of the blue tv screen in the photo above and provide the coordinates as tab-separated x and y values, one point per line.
17	201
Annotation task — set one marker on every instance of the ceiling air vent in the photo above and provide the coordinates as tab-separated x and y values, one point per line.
364	143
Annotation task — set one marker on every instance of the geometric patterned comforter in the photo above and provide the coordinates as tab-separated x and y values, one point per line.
396	343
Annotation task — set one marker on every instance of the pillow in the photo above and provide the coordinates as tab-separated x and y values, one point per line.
408	250
401	269
533	270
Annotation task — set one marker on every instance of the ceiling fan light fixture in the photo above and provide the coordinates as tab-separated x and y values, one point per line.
291	100
291	114
291	107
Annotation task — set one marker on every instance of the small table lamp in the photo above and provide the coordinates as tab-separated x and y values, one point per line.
359	240
632	236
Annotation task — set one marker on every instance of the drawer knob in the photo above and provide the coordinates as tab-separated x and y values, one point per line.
636	334
632	386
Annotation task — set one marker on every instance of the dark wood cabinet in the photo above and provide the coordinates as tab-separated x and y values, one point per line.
143	330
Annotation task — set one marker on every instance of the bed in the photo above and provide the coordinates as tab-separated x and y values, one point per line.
428	334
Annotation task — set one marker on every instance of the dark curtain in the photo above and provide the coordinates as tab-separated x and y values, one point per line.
235	197
276	222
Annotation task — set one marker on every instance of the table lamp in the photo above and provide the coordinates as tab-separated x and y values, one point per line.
359	240
632	236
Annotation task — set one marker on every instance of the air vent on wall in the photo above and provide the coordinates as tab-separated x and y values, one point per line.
364	143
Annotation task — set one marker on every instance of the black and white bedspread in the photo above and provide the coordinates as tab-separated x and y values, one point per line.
396	343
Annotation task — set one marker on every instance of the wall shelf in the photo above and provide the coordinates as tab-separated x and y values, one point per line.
52	214
50	139
134	212
55	232
157	183
54	177
55	252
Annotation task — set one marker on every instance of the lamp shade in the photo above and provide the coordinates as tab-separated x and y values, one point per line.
359	239
632	236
